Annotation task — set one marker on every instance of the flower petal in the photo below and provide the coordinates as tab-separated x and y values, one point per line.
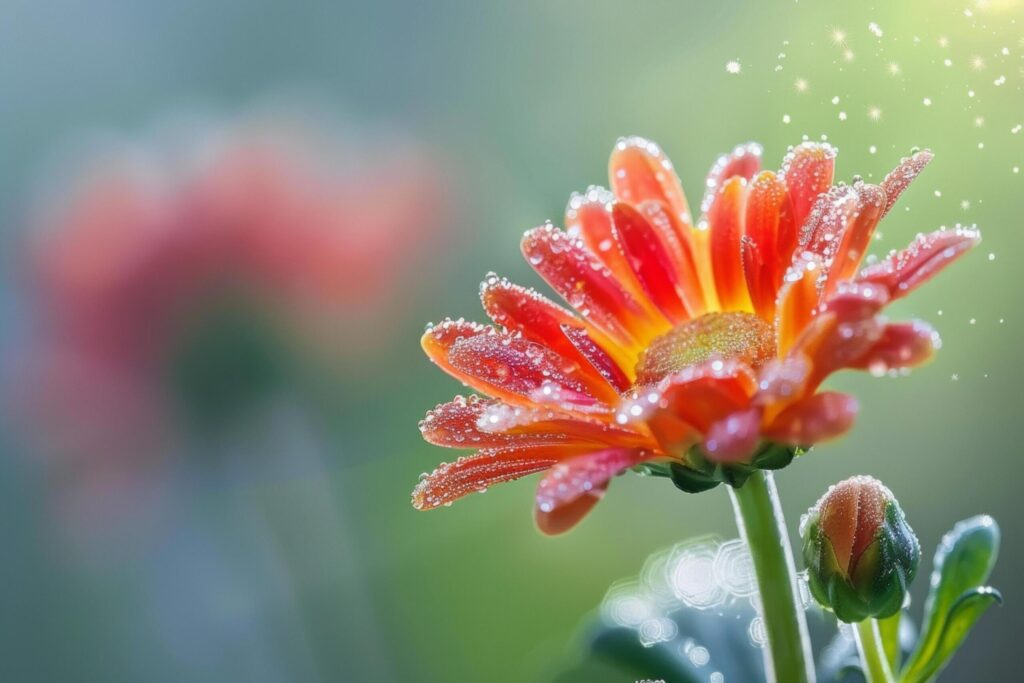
768	242
831	343
733	438
601	361
902	345
900	177
904	271
798	301
473	473
679	242
649	260
817	418
571	488
504	365
476	422
807	169
856	238
832	213
589	286
725	217
744	161
640	171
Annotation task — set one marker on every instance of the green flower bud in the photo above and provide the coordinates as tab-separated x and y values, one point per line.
860	553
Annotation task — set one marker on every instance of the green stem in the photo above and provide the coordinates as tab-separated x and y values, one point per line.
788	657
872	652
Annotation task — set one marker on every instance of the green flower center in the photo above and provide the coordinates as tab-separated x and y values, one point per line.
733	335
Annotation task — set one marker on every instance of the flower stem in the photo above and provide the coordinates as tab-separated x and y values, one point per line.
788	656
872	653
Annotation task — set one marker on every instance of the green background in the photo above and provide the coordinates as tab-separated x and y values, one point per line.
314	566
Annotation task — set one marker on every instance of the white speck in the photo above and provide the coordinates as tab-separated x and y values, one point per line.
842	116
979	121
733	67
927	101
785	118
875	29
835	100
872	149
874	113
970	93
800	85
965	205
999	81
973	321
991	256
947	61
1015	129
938	193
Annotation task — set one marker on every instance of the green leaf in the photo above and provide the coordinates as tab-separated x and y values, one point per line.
691	480
958	595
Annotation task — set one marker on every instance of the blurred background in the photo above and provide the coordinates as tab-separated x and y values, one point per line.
225	225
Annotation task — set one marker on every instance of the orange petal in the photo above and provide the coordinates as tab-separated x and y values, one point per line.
589	286
589	217
571	488
699	395
798	301
603	363
817	418
733	438
856	237
725	217
504	365
823	231
900	177
904	271
679	242
470	474
902	345
640	171
475	422
744	161
807	169
650	261
769	241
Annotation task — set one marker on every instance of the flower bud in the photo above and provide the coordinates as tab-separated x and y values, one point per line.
860	553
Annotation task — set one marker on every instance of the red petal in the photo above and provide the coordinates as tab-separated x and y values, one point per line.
901	176
597	357
589	287
902	345
453	480
905	270
822	232
503	365
589	216
649	260
678	241
815	419
744	161
640	171
571	488
734	438
807	170
769	241
725	216
831	343
475	422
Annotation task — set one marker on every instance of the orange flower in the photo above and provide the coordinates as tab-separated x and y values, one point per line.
696	349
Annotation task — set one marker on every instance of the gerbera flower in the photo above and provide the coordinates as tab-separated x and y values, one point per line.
696	350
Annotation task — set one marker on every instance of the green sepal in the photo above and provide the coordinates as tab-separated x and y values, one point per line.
958	595
691	480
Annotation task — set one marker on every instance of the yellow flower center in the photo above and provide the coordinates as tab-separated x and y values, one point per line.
731	335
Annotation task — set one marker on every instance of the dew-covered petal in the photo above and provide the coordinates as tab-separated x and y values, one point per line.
640	171
831	343
588	286
649	260
831	215
807	171
504	365
900	177
858	233
902	345
798	301
856	300
725	218
733	438
588	216
816	418
768	242
475	422
474	473
679	242
903	271
616	376
571	488
699	395
744	161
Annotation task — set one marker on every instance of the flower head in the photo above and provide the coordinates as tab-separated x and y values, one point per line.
860	553
696	349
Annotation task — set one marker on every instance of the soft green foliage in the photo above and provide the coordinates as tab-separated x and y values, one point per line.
958	595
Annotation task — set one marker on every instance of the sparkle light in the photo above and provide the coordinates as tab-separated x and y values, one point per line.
800	85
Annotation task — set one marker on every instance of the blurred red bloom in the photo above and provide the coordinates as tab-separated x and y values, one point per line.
164	270
692	344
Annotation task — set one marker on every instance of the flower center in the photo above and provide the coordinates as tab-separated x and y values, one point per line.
731	335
